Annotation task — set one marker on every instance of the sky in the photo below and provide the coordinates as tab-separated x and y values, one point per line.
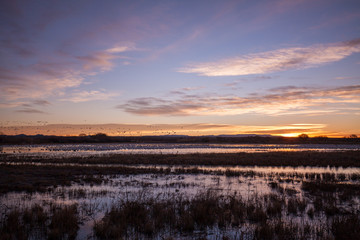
175	67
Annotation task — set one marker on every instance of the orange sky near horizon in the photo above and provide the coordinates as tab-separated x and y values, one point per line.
294	130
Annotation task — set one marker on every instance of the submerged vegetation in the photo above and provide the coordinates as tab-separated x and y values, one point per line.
194	196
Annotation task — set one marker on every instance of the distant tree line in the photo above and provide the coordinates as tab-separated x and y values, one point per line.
103	138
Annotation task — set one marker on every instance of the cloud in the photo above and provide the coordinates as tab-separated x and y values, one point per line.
41	102
104	60
85	96
37	82
347	78
42	54
13	104
235	84
101	60
50	78
35	65
277	60
185	90
31	111
277	101
120	48
157	106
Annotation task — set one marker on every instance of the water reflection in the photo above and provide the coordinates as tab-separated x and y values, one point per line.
94	201
256	169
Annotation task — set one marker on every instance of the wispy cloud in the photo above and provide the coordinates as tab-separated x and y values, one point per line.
124	47
347	78
276	101
236	83
104	60
41	102
277	60
33	82
85	96
185	90
35	63
13	104
45	78
30	111
101	60
158	106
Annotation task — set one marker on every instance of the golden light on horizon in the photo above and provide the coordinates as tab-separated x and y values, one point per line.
290	134
290	130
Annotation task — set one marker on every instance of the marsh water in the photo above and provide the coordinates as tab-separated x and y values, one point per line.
259	188
94	201
68	150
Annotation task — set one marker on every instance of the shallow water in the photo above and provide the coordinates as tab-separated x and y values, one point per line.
94	201
131	187
70	150
134	187
251	184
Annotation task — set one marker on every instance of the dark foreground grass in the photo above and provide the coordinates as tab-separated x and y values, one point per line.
294	159
209	213
61	222
179	217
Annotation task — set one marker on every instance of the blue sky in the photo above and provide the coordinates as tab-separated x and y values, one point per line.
268	67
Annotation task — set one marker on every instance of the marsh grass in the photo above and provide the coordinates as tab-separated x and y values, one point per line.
146	216
210	212
64	223
295	206
61	222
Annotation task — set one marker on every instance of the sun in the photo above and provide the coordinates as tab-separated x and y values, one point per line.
290	134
